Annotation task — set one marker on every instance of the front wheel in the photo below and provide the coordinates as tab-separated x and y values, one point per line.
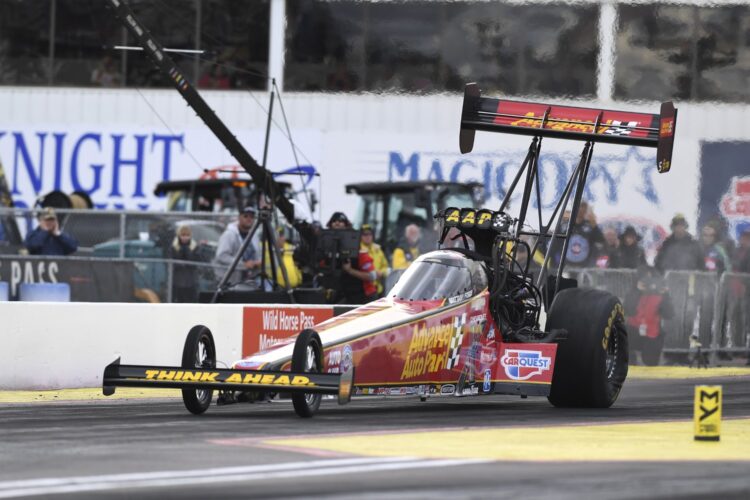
307	357
592	362
199	352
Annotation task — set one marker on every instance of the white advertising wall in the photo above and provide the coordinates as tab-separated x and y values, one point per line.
117	144
67	345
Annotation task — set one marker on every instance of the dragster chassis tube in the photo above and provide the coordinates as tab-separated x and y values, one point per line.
173	377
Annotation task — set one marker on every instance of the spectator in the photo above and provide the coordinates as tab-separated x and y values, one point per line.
715	257
680	251
741	261
340	78
585	239
630	255
739	292
379	259
230	243
408	249
354	283
105	74
723	238
647	308
48	239
215	78
184	277
306	252
609	256
286	250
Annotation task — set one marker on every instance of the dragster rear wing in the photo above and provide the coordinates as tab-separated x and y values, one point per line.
567	122
117	375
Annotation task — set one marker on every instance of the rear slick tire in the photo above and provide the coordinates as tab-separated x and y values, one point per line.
592	362
307	357
199	352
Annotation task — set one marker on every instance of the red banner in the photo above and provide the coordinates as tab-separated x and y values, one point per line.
262	327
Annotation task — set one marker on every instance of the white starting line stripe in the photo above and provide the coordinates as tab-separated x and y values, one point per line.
53	486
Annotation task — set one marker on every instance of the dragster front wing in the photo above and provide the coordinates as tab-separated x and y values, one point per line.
115	375
568	122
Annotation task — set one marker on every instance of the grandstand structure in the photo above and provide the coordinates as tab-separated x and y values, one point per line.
372	93
605	49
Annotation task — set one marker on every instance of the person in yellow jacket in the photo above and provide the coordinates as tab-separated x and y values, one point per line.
379	259
286	250
407	250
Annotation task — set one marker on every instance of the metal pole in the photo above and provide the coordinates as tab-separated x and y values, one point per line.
170	280
268	125
197	59
276	42
718	321
529	155
563	204
122	236
52	34
574	210
531	174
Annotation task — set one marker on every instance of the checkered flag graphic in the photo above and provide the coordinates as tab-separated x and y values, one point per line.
456	340
619	128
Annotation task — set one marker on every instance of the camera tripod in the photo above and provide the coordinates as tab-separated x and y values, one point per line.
268	250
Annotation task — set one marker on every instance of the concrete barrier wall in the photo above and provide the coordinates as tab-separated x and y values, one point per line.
67	345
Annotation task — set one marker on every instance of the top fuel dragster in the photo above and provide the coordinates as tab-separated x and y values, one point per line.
464	319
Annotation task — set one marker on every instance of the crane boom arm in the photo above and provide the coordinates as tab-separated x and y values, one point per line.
169	69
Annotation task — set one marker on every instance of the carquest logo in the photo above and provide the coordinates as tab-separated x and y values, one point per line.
522	365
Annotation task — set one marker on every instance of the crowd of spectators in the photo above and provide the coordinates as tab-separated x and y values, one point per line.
593	246
364	278
361	279
697	263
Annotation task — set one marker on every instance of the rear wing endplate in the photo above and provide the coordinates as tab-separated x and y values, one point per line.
568	122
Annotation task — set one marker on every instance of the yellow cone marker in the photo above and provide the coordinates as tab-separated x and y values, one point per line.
707	412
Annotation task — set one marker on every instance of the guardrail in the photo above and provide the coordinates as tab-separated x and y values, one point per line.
95	279
716	308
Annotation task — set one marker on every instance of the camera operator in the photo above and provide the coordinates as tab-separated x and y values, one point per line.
353	279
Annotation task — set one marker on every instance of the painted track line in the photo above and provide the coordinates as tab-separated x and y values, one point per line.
56	486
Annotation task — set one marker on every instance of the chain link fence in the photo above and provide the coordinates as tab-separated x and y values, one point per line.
143	238
108	233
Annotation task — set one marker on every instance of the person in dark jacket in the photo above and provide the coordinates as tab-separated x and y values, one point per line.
741	260
680	251
184	277
350	280
609	255
630	254
647	310
715	257
586	239
739	291
48	239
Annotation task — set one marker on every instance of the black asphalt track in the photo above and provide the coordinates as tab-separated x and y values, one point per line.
44	445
